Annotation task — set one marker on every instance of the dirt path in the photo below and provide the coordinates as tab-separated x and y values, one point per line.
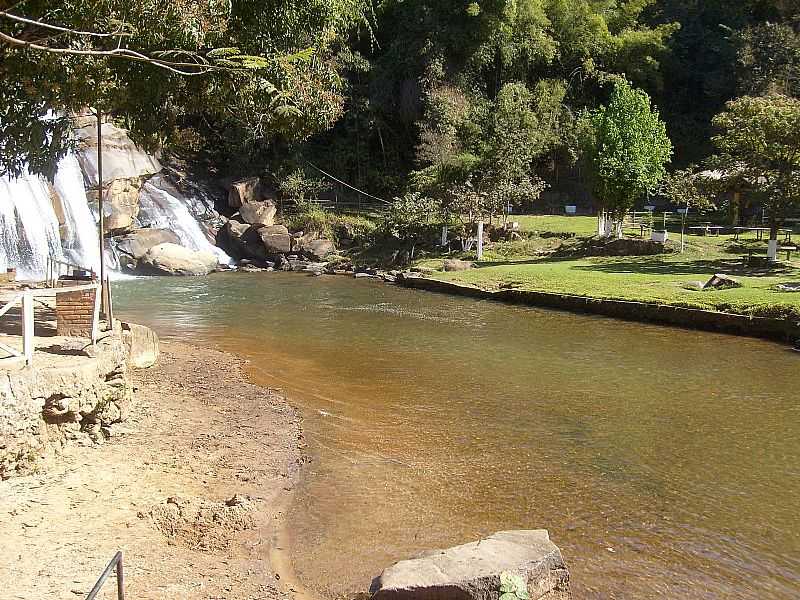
199	434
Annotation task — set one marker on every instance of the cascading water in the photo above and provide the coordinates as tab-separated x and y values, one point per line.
79	236
161	206
29	226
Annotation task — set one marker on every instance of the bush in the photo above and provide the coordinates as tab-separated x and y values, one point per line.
332	226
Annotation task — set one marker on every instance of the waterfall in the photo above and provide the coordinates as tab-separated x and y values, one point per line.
28	225
79	236
161	206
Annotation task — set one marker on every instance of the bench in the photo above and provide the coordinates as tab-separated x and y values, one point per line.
763	259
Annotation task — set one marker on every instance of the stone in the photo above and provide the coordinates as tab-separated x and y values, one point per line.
275	230
275	243
122	159
172	259
318	249
142	345
139	241
452	264
720	281
244	191
472	571
259	212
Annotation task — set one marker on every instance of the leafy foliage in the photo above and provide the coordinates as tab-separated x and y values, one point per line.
513	587
627	148
759	147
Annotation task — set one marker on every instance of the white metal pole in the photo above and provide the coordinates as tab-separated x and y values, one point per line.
27	327
480	240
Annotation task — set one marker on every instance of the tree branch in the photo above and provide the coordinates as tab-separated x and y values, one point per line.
123	53
21	19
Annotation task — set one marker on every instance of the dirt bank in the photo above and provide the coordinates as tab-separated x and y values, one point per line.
161	492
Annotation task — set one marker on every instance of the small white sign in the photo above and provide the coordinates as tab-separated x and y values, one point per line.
571	210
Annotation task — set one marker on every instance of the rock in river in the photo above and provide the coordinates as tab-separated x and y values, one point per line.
472	571
171	259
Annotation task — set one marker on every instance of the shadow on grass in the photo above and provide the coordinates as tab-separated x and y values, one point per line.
654	266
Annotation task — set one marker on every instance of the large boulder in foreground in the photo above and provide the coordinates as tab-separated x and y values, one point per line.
472	571
172	259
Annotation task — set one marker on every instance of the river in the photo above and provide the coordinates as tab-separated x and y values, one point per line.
664	462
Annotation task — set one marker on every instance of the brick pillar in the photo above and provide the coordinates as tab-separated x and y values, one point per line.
75	313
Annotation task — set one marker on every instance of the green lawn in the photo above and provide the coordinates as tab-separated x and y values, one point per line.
667	279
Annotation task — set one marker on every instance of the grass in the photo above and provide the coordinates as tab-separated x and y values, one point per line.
664	279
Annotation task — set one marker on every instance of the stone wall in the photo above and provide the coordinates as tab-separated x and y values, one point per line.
64	398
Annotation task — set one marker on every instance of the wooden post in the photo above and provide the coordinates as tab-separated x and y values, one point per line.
28	331
100	208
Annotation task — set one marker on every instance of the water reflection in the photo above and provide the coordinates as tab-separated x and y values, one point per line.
664	462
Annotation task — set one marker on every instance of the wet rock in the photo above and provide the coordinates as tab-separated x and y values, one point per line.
172	259
472	571
452	264
122	159
136	243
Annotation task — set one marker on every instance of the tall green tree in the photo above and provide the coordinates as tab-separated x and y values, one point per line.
626	150
758	141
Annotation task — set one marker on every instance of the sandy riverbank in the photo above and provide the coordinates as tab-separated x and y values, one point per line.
199	434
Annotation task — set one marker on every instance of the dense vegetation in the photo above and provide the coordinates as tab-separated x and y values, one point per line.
392	96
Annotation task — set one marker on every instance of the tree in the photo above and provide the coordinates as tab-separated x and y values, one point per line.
626	148
251	70
759	144
409	220
688	188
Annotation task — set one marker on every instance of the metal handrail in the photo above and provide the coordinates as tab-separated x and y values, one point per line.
54	270
116	562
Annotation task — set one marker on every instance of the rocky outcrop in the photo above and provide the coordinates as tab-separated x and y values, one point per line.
171	259
259	213
66	397
244	191
318	249
122	159
139	241
473	571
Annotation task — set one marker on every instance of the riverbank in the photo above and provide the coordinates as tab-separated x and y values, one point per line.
193	490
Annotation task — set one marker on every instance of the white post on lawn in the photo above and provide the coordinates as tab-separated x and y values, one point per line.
444	235
772	250
480	240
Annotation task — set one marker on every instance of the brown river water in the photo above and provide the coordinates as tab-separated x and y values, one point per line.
664	462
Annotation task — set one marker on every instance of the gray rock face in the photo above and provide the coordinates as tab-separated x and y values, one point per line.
58	402
139	241
244	191
452	264
319	249
122	159
259	213
171	259
472	571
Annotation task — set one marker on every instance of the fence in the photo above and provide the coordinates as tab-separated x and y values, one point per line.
115	564
57	267
27	300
